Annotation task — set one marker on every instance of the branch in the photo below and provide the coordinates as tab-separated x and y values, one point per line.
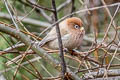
108	11
20	36
63	64
13	19
100	73
26	20
51	10
37	9
73	7
24	63
77	12
61	6
26	40
45	15
108	78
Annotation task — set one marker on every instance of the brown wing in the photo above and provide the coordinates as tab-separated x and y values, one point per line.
52	34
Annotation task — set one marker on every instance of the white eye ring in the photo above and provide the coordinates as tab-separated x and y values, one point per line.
77	27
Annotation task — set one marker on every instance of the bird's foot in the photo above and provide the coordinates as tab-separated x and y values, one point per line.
72	52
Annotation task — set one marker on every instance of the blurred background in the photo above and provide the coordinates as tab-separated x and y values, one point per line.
102	26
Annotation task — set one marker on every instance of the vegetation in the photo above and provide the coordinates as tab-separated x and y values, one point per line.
23	23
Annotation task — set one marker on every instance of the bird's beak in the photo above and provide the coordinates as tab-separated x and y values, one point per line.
82	29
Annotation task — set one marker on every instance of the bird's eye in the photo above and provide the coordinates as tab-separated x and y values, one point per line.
77	27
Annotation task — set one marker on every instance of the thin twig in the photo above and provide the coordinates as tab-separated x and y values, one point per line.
24	63
38	9
73	7
26	20
61	6
63	64
6	4
20	66
77	12
108	11
51	10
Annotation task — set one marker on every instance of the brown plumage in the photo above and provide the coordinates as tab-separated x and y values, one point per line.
72	32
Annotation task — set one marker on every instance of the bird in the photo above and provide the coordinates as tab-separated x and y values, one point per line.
72	33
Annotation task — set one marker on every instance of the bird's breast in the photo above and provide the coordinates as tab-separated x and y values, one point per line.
70	41
75	40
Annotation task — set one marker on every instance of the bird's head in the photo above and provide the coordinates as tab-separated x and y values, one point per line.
75	24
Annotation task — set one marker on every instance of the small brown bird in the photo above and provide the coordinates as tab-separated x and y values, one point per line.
72	32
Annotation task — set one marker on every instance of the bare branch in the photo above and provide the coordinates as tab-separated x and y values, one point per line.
28	42
13	19
51	10
63	64
111	73
77	12
23	38
26	20
63	5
